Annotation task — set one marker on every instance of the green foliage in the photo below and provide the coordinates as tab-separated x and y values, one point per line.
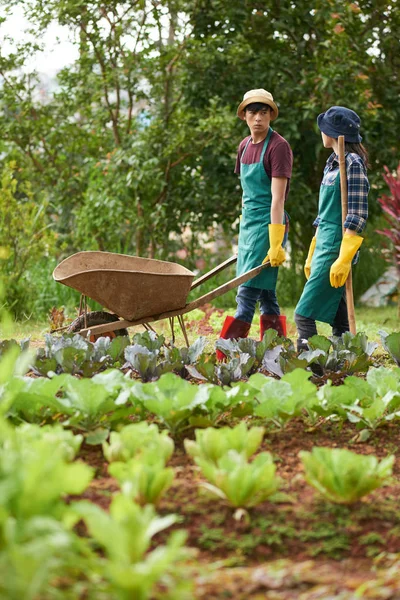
71	353
342	476
24	235
211	444
33	553
125	535
145	478
26	461
280	401
172	400
132	138
241	483
391	343
135	439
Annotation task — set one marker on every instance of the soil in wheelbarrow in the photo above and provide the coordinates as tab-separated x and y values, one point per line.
342	542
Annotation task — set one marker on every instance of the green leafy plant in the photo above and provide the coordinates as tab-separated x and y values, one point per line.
125	534
144	478
280	401
367	403
145	362
255	349
241	483
135	439
391	343
224	373
182	357
211	444
26	462
343	476
92	408
172	399
71	353
34	552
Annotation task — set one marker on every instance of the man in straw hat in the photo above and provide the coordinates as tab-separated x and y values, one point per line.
264	163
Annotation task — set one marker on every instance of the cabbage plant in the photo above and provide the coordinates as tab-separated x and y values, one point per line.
343	476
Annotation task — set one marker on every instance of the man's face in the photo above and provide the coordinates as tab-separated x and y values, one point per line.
258	120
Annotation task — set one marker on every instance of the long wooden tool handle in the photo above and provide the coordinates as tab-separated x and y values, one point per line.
343	194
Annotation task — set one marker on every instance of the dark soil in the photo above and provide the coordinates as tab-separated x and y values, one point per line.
320	544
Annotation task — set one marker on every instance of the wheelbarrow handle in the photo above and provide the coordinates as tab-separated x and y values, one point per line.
226	287
218	269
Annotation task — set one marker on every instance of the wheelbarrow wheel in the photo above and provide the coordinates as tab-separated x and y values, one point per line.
96	318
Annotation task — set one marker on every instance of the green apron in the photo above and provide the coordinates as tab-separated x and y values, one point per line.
319	300
256	216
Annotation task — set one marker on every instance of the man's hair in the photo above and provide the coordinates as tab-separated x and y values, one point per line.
256	106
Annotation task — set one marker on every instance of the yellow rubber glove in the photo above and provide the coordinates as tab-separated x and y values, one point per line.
276	254
341	267
307	266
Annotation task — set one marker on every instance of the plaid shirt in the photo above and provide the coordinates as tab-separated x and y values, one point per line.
357	189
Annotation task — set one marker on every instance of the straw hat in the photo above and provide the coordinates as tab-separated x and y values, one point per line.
258	96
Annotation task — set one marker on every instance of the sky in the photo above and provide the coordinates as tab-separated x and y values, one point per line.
58	52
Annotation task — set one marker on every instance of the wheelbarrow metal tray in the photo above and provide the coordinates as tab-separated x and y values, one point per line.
129	286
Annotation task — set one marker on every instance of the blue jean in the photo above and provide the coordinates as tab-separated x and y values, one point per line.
247	298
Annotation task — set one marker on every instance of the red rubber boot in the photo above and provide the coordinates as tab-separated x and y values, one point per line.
233	329
277	322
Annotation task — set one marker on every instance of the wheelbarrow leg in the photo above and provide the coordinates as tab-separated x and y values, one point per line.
83	308
148	327
183	327
171	324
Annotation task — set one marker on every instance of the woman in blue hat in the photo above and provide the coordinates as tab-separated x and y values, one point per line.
331	252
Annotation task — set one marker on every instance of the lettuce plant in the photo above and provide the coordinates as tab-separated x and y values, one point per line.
211	444
35	475
55	435
367	403
91	407
34	552
280	401
125	534
342	476
241	483
135	439
145	478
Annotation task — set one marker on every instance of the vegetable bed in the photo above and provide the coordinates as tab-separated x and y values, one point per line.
131	469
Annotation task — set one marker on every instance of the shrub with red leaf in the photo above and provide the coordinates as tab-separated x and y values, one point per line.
391	208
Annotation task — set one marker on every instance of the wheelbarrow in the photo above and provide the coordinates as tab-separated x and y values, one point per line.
136	291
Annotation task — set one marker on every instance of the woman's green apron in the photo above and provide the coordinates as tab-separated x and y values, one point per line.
319	300
256	216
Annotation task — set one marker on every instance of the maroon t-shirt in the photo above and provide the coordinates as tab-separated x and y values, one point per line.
278	159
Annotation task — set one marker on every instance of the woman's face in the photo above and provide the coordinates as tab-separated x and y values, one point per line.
327	141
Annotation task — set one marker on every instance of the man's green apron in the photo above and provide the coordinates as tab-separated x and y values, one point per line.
256	216
319	300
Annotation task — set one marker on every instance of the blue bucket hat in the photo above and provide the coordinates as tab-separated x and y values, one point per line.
339	120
